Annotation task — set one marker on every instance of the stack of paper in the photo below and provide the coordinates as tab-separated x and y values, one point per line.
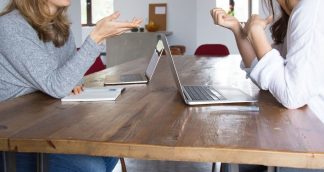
96	94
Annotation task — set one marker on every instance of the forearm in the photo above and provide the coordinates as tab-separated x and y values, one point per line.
61	81
273	73
259	41
245	48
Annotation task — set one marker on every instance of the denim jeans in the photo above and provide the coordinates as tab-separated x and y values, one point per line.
26	162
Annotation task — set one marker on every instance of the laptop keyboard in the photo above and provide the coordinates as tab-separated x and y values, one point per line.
131	77
202	93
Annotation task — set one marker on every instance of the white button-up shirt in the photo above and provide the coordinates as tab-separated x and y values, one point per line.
294	71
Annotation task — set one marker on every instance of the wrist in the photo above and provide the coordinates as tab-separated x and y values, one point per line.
239	33
237	29
95	37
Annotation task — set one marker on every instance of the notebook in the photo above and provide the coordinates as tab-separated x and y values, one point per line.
95	94
204	94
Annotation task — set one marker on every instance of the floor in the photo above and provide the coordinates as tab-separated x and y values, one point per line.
134	165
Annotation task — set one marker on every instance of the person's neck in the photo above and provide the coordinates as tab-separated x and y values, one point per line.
293	3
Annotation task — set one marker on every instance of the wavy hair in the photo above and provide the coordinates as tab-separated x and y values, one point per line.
280	26
50	28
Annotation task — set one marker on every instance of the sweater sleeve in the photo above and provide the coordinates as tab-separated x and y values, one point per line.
294	80
37	66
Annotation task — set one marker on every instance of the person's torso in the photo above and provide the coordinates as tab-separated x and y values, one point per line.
12	83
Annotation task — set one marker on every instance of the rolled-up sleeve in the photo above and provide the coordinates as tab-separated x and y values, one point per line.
294	80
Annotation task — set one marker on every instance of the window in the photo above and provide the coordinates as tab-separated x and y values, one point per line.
94	10
241	9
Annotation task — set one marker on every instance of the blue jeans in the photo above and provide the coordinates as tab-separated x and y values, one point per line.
26	162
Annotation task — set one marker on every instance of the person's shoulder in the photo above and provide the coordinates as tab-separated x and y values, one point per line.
14	21
308	7
307	12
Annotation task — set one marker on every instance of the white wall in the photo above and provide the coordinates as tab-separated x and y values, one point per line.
181	18
190	23
207	32
189	20
3	3
75	18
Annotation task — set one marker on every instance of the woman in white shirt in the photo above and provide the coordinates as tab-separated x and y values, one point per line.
291	69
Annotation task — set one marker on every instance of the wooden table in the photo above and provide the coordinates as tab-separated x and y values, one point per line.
152	122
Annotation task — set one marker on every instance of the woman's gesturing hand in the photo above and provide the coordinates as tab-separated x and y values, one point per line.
256	23
221	18
255	32
109	27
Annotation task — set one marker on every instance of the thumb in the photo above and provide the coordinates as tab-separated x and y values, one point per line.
269	19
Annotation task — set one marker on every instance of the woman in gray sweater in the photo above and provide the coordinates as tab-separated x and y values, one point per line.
37	52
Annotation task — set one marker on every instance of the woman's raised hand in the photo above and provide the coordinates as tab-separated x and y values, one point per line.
221	18
109	27
255	24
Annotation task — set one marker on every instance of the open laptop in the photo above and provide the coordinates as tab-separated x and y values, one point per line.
200	95
138	78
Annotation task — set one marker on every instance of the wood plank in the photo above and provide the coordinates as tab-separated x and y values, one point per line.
4	144
193	154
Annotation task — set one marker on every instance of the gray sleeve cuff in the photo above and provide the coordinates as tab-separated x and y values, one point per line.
91	49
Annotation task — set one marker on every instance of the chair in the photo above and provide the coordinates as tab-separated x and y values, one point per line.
217	50
96	66
178	49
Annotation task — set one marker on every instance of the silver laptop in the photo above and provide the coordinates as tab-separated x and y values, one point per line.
137	78
200	95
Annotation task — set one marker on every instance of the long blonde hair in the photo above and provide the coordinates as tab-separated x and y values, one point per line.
50	28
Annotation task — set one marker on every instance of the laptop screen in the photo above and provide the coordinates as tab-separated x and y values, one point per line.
171	62
152	65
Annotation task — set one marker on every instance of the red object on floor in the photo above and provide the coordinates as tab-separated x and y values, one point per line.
212	50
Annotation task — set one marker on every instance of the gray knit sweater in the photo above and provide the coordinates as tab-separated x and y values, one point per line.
27	64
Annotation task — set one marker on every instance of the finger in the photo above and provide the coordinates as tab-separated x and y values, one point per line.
214	10
137	22
219	11
113	16
269	19
126	24
220	18
121	31
74	91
